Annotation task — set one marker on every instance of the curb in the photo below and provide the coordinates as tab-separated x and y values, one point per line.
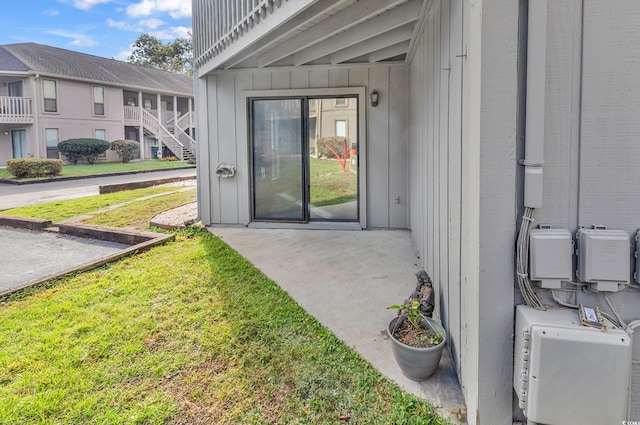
91	176
138	241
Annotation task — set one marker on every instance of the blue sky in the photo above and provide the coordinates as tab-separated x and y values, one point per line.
105	28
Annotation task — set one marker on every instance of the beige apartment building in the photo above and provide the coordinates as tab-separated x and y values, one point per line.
48	95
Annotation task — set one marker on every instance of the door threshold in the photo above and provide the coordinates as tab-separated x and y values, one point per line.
313	225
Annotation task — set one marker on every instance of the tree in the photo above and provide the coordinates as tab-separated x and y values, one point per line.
334	145
174	56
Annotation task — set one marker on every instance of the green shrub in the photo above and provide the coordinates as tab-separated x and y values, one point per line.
334	142
34	167
127	149
88	149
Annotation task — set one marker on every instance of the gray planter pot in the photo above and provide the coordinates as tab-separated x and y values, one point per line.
417	364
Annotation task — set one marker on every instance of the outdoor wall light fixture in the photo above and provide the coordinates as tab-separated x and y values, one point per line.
374	98
6	133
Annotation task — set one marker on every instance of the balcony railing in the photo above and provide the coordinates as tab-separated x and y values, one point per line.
132	115
16	110
219	23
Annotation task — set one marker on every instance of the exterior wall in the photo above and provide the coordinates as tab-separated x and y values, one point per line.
591	124
75	117
223	137
463	188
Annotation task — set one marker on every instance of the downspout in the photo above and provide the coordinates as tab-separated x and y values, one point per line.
535	104
35	108
534	141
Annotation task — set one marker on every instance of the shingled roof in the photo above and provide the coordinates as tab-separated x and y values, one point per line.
56	62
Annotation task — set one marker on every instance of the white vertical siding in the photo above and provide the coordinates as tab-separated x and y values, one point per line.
463	187
592	127
226	138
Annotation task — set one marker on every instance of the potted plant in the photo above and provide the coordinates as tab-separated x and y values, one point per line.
417	341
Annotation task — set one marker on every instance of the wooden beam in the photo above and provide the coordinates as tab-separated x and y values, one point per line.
306	16
346	18
380	24
375	43
389	52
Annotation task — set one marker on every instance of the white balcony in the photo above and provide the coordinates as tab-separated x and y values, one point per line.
231	34
18	110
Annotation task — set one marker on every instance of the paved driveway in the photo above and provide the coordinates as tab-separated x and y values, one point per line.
27	255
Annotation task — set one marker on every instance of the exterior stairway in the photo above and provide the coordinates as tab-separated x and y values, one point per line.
172	135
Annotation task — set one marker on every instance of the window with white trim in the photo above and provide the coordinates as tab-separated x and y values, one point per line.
50	95
98	100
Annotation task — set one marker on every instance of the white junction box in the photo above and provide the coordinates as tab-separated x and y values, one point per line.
550	257
569	374
604	258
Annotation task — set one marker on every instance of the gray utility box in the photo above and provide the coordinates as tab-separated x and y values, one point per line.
550	257
604	258
569	374
637	273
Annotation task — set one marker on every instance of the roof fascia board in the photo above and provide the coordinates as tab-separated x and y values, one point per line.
305	67
108	84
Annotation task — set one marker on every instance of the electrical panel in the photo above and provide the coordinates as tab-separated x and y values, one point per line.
550	257
603	258
569	374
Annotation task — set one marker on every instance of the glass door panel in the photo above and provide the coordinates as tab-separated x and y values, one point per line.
19	143
333	159
278	167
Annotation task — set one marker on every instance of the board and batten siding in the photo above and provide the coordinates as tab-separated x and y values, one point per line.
224	136
463	178
592	125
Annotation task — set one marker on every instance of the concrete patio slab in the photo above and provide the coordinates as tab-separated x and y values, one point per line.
346	279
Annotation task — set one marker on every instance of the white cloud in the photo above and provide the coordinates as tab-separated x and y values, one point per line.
152	23
88	4
51	12
121	25
172	33
175	8
80	40
124	54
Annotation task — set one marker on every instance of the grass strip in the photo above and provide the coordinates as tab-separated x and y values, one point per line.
61	210
137	214
189	332
107	167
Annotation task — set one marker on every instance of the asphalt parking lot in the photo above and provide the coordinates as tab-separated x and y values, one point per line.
29	255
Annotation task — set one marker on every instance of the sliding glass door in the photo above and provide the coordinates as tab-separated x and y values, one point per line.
278	167
304	159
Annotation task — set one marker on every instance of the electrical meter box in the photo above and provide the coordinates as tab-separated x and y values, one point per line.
550	257
604	258
569	374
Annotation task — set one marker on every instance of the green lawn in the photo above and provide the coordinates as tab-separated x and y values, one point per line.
329	185
108	167
186	333
61	210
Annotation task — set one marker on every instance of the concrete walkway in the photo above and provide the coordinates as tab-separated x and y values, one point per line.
346	279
